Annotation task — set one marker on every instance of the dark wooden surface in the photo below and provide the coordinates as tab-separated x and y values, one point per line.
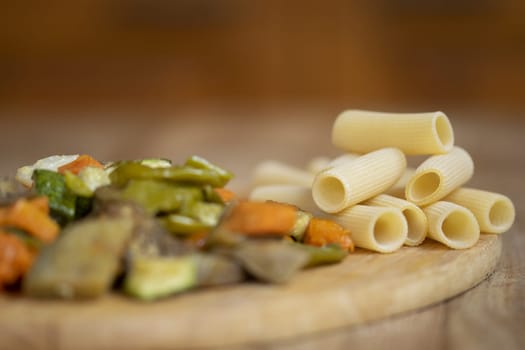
491	315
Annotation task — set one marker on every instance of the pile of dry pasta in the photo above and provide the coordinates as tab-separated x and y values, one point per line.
370	191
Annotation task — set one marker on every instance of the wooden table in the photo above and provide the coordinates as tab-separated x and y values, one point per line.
491	315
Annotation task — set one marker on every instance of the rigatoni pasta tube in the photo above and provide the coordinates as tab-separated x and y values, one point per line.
381	229
272	172
415	217
451	224
413	133
438	176
349	183
300	196
398	189
495	212
318	164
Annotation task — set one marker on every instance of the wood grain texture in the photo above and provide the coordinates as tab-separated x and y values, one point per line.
365	287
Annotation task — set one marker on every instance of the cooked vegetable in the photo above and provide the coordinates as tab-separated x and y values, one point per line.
206	213
201	163
68	198
180	174
32	217
15	259
214	269
327	254
94	178
262	218
62	200
270	260
76	185
321	232
225	194
151	278
84	261
25	174
301	223
181	224
81	162
153	195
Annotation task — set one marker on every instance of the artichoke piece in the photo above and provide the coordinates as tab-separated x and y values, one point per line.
83	262
150	278
271	261
214	269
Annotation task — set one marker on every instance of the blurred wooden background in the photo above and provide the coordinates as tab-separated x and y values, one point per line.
402	54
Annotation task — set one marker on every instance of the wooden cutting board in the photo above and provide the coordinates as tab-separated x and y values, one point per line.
365	287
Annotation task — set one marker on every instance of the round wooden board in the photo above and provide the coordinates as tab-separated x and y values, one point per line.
365	287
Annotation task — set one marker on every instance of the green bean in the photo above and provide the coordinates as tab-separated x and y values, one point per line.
207	213
180	224
155	196
328	254
201	163
123	173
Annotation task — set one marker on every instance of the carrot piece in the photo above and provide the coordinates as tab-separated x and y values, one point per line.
42	203
29	217
225	194
80	163
262	218
321	232
15	258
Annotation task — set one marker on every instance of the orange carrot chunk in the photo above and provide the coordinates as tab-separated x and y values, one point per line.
30	217
42	203
262	218
321	232
80	163
15	259
225	194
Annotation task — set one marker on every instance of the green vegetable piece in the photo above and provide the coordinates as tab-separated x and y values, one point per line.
328	254
210	195
83	262
180	224
206	213
62	201
76	185
150	278
156	162
271	261
155	196
83	206
201	163
185	175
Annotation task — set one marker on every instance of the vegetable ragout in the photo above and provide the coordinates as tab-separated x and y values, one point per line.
74	227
